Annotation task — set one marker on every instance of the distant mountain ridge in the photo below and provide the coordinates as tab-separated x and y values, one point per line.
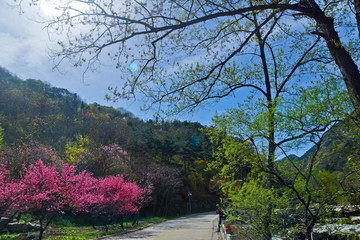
337	146
34	109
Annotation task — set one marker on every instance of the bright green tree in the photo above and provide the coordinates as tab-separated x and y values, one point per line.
283	112
241	200
291	122
74	150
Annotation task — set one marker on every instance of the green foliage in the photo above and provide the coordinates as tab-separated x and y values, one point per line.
74	150
252	203
252	199
9	236
197	181
232	157
351	182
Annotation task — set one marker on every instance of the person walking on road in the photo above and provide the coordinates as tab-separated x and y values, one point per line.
221	216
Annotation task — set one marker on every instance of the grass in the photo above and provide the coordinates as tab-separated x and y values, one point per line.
87	232
68	232
9	236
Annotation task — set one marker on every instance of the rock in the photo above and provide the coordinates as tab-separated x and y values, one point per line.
17	227
33	227
4	222
336	232
352	210
346	211
355	219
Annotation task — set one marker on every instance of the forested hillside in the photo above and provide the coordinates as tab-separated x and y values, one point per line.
338	145
53	124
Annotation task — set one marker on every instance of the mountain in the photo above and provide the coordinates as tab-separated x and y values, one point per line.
34	111
338	144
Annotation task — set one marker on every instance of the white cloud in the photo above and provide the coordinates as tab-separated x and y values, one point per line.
22	41
24	47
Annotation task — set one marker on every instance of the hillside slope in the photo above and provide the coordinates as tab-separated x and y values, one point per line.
338	144
32	110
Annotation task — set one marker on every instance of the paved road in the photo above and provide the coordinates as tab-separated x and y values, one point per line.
193	227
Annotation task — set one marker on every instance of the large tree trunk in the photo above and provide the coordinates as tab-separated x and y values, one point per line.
270	134
357	12
346	64
341	56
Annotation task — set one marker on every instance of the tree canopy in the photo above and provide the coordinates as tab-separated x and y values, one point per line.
186	52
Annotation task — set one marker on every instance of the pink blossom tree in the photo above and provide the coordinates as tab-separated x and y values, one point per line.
105	161
40	193
4	190
8	192
78	189
45	192
5	195
116	197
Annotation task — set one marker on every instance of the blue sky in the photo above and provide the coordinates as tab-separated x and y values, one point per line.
24	45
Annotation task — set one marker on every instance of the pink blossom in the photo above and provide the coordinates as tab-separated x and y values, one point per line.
44	191
117	196
7	191
40	189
